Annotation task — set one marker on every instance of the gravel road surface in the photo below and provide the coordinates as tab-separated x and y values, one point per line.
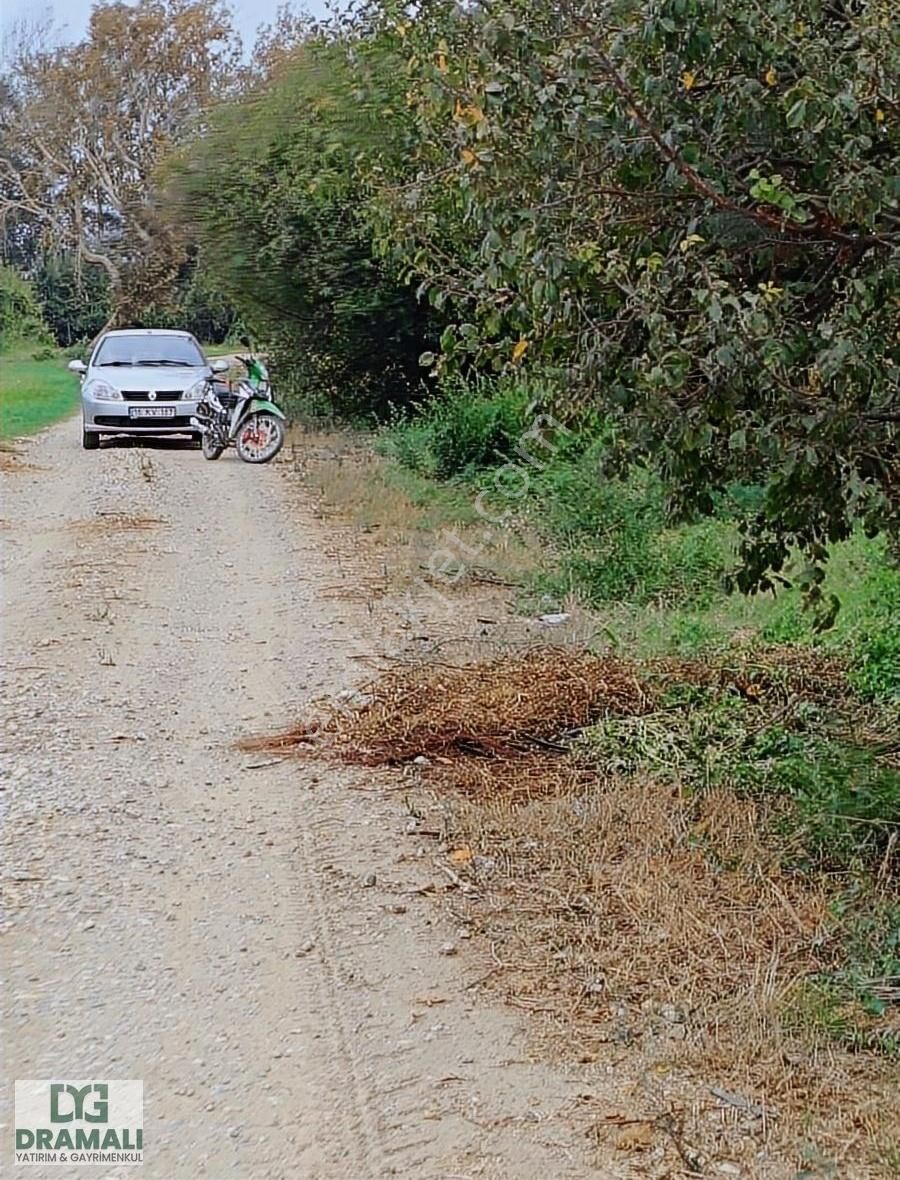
205	920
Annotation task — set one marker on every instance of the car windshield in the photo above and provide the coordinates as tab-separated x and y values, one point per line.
149	350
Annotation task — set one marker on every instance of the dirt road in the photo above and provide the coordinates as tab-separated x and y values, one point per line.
175	912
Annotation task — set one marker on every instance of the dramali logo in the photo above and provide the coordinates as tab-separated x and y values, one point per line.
82	1122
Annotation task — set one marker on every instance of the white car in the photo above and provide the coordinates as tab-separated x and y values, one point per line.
142	381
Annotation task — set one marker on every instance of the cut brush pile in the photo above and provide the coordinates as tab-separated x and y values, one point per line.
618	833
503	723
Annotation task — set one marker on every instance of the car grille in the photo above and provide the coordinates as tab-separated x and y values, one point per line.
150	424
143	395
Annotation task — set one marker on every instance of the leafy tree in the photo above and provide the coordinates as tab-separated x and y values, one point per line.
276	195
689	212
84	126
75	300
20	311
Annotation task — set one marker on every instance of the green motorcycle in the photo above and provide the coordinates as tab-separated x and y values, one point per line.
243	415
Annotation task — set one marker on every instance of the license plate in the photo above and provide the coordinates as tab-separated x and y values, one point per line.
151	411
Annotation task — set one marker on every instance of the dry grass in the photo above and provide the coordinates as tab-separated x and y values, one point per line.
436	537
634	918
659	929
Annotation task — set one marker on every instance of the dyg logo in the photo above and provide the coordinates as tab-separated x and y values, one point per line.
83	1122
76	1111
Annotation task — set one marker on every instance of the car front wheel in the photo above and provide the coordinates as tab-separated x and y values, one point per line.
90	440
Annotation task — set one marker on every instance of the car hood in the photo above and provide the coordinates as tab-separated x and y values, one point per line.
161	378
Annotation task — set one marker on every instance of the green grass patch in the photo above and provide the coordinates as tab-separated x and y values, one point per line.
608	541
866	633
34	393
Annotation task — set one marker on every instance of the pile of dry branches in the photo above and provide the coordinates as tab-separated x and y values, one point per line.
503	722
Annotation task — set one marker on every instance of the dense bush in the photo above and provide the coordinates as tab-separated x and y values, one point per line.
277	200
75	299
469	426
20	310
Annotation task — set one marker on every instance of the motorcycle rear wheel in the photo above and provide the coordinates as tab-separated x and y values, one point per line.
260	438
210	446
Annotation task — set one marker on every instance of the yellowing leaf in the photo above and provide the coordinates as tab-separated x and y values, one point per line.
519	349
442	62
688	78
468	114
468	156
691	240
879	115
771	77
461	856
770	292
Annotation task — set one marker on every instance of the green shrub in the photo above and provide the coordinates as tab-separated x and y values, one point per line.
615	541
470	426
408	440
20	311
475	426
846	802
875	643
788	622
876	662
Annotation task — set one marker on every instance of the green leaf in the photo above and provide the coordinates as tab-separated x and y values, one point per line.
796	114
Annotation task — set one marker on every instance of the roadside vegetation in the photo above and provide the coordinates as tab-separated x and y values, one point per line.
35	392
35	387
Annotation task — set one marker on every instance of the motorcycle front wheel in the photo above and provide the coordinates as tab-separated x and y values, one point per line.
260	438
210	445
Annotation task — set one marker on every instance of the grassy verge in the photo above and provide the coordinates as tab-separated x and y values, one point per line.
705	880
35	393
418	523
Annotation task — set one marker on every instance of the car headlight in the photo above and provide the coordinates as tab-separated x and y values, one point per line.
196	391
102	391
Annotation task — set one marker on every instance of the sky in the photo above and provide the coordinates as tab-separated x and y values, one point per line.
70	17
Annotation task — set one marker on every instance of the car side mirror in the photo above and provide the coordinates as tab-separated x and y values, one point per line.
77	367
222	365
